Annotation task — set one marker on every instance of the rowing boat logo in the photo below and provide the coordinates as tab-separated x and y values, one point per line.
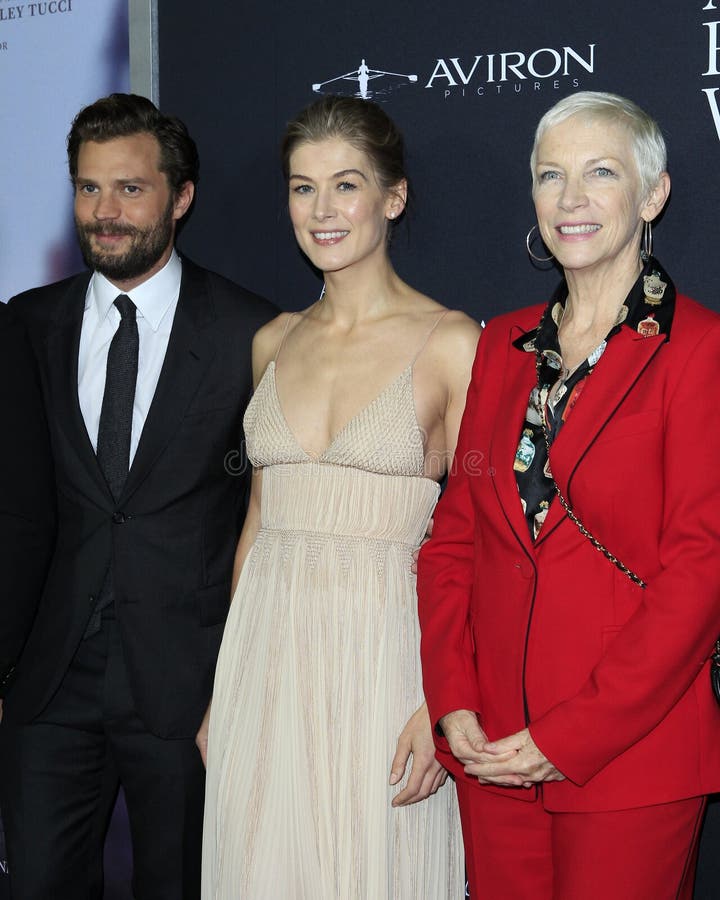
363	75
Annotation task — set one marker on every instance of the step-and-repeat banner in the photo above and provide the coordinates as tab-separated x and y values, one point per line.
466	81
55	56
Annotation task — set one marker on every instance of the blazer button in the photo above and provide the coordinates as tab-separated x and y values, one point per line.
119	518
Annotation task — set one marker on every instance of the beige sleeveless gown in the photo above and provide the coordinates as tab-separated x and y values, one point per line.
319	671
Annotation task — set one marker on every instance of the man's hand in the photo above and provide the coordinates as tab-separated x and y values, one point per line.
426	775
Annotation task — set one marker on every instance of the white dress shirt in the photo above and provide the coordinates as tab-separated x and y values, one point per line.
156	301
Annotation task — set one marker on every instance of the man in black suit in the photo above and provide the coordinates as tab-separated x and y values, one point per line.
145	367
27	493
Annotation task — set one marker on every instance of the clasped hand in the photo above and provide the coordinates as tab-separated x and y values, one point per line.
513	761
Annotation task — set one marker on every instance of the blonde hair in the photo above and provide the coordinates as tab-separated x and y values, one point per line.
648	144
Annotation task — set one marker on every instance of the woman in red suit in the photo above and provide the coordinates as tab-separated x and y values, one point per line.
570	595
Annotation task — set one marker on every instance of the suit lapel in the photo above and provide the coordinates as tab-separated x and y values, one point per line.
62	347
623	362
519	377
188	355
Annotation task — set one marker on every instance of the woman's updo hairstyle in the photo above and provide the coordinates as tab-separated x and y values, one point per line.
361	123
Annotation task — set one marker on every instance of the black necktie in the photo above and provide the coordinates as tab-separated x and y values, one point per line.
113	442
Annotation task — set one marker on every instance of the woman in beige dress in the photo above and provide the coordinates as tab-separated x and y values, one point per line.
311	795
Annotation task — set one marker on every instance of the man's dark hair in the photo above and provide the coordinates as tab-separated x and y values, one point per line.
124	115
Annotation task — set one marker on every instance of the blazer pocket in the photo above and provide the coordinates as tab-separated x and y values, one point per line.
213	603
620	427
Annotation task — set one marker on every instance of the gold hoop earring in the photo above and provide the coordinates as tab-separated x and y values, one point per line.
647	242
528	242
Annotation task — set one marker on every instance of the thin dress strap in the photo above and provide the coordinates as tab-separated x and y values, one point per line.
284	335
428	335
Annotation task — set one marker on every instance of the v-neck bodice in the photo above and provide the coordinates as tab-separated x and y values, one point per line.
383	437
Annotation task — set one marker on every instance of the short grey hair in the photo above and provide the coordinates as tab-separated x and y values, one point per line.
648	144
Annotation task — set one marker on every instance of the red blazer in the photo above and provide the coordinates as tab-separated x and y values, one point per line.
612	679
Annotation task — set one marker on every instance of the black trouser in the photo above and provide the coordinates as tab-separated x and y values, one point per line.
59	777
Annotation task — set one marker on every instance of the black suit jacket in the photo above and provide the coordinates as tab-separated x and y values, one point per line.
171	536
27	493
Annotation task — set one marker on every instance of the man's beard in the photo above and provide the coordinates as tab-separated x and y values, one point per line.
146	248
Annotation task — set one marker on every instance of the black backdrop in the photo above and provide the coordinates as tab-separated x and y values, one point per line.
236	72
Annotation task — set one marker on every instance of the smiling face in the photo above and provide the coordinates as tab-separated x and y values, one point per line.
125	213
588	195
338	210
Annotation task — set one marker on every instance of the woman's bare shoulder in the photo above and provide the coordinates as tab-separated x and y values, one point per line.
266	343
458	325
454	321
456	332
270	337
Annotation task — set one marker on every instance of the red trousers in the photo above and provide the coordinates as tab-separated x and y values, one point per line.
521	851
